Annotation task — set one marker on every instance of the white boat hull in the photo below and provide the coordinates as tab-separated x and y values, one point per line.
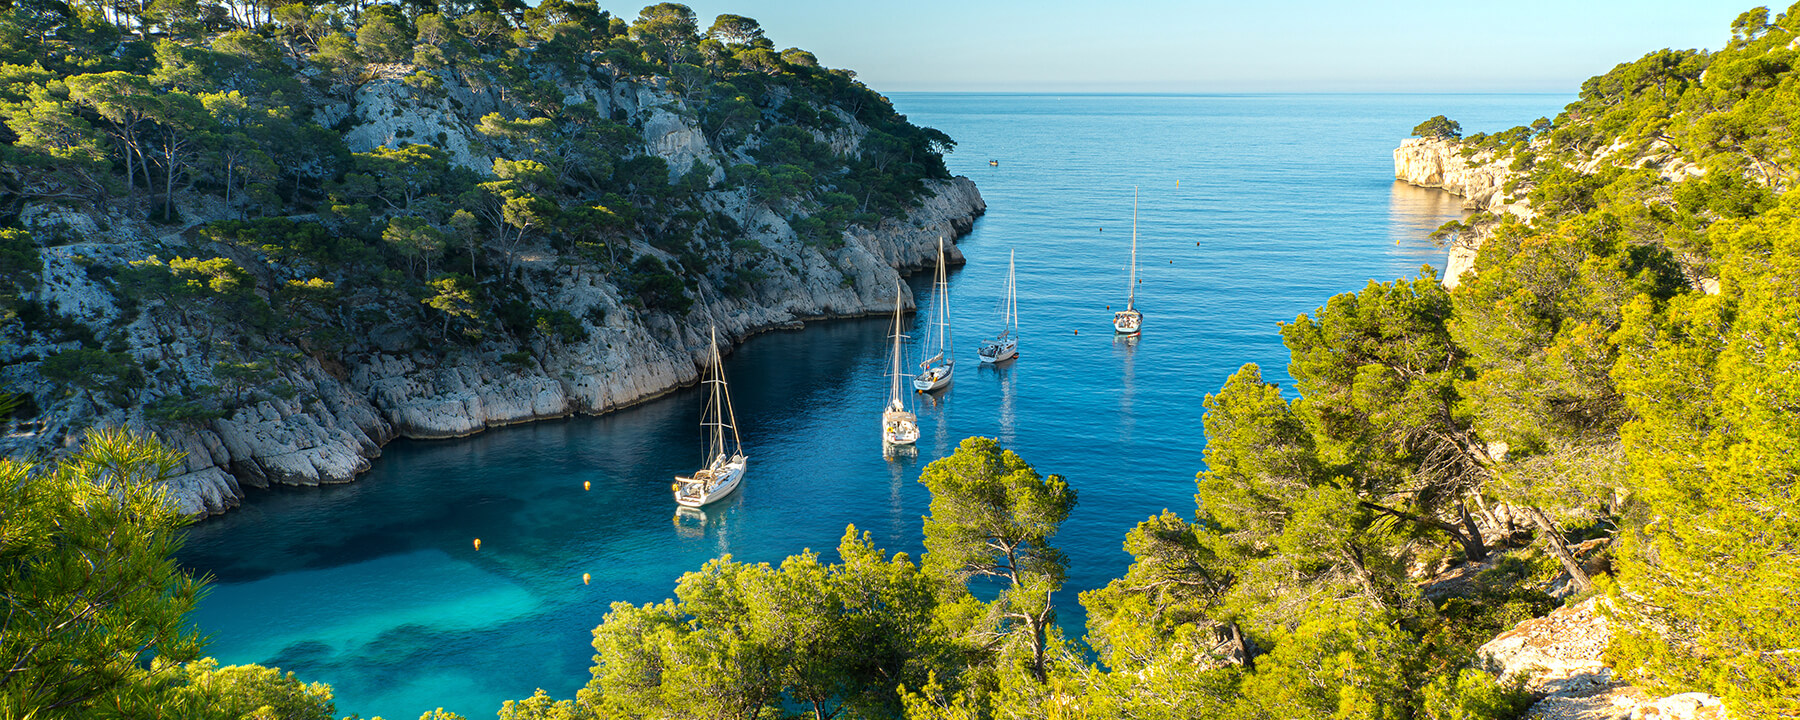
1128	322
935	378
698	491
899	428
994	352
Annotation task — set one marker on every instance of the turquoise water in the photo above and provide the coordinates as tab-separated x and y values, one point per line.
1253	209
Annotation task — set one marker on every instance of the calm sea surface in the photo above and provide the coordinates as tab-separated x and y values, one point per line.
1254	208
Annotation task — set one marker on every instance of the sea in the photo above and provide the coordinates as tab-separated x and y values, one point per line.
1251	209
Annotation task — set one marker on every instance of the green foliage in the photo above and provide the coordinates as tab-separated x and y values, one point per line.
992	516
206	691
92	590
1377	373
457	299
746	639
93	370
1712	450
1438	127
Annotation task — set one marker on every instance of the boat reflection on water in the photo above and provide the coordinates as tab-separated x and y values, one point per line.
690	523
693	523
894	453
1126	346
1003	371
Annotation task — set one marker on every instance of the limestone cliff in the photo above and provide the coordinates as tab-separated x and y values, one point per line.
1480	180
1489	182
400	380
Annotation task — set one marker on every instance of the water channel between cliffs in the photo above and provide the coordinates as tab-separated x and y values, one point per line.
375	587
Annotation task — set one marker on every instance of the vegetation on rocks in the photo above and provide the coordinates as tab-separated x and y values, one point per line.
288	181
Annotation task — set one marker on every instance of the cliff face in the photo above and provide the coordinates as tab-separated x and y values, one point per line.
398	380
1480	180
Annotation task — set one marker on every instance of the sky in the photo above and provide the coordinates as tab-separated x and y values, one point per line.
1176	47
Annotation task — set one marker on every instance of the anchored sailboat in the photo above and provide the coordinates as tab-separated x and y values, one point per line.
1129	320
899	426
725	460
1007	344
936	370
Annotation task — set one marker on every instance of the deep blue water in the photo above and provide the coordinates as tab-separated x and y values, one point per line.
1253	209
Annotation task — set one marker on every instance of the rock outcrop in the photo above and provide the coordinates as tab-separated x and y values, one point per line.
1560	658
398	381
1480	180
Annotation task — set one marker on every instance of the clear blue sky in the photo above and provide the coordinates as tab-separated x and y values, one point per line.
1172	46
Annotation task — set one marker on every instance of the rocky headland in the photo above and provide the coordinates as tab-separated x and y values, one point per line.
396	375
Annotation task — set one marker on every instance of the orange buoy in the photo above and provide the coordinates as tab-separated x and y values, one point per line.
587	485
1078	332
477	544
586	578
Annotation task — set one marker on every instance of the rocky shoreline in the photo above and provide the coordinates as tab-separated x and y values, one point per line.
385	395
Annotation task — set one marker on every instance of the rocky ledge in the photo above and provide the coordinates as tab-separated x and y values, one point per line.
1560	659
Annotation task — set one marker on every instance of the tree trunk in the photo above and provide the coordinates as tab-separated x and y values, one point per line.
1241	646
1366	578
1553	540
1473	545
1471	542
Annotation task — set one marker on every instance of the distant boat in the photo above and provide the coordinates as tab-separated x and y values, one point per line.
1129	320
1006	345
937	369
726	461
994	163
899	426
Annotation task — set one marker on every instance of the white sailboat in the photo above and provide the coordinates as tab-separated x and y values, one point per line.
725	460
1006	345
935	372
1129	320
899	426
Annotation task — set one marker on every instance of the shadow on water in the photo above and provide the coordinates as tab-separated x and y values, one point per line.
376	586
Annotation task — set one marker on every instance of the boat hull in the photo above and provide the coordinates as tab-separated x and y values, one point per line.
899	427
994	352
934	379
1128	322
692	492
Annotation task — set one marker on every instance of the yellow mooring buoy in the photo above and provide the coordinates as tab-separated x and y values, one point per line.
587	485
586	578
478	544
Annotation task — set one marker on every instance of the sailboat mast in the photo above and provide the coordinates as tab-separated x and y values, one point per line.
943	292
1012	291
894	396
1132	303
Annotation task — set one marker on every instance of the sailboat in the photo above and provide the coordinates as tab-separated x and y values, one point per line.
1007	344
935	371
725	460
1129	320
899	426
